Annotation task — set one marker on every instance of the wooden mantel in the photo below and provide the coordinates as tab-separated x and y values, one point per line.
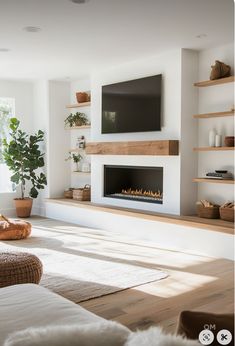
163	147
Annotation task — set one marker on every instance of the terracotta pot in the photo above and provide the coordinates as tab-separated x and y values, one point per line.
82	97
23	206
229	141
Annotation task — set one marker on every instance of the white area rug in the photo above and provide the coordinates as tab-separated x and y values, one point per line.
81	263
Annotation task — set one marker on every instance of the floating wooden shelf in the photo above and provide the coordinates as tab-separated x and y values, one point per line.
81	173
163	147
78	127
214	115
213	148
76	149
212	180
214	82
76	105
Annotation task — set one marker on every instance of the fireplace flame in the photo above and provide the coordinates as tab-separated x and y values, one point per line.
140	192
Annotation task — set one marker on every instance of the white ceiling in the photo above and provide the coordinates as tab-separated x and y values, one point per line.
76	39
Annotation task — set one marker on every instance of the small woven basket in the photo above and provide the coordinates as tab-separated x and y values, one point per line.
208	212
82	194
68	193
227	214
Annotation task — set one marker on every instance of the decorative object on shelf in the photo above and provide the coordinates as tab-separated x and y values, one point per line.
229	141
207	210
86	167
69	193
82	194
24	158
212	135
227	211
220	70
218	140
219	174
82	97
76	159
81	142
77	119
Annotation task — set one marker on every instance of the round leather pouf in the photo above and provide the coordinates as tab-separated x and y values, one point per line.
19	268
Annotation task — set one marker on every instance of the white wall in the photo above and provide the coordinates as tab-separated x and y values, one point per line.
23	93
59	141
189	131
215	99
169	65
41	121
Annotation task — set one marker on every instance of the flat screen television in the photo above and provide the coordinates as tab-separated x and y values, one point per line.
132	106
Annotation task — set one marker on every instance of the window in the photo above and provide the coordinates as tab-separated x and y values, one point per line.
7	110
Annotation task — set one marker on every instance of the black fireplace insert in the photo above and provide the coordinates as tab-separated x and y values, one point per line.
137	183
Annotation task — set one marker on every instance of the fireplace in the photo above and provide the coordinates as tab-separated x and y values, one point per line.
136	183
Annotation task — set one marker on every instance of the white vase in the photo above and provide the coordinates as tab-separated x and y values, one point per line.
218	140
212	135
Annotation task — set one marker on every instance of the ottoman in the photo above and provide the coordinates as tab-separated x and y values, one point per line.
13	229
19	268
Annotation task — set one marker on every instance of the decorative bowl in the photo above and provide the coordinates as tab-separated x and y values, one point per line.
229	141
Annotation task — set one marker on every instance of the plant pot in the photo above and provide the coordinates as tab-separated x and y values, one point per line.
23	206
82	97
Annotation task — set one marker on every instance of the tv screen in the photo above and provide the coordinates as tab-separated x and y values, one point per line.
132	106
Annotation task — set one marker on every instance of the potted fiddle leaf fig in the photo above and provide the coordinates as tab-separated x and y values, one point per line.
24	158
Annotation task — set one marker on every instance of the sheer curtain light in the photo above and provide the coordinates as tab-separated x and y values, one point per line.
7	110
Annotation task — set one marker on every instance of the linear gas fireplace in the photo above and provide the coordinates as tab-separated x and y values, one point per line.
144	184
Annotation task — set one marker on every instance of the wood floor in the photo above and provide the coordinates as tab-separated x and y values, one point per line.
160	303
194	282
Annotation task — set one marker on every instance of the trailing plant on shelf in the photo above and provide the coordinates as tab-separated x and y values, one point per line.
76	159
77	119
23	156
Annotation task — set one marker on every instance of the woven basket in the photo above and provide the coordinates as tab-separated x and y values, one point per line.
208	212
68	193
227	214
82	194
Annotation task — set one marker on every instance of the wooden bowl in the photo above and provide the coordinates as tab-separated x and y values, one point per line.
229	141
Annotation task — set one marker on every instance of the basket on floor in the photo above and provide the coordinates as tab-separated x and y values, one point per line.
82	194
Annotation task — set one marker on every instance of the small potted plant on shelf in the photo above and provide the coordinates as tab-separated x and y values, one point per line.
77	119
24	157
76	159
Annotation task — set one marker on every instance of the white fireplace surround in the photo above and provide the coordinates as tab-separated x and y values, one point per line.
171	199
174	110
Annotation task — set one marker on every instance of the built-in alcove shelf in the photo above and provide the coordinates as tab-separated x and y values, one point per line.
188	221
213	148
214	82
161	147
77	105
213	180
214	115
78	127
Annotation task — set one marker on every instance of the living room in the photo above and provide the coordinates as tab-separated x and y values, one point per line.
134	205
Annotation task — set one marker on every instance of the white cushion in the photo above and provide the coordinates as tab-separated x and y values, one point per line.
154	336
29	305
105	333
